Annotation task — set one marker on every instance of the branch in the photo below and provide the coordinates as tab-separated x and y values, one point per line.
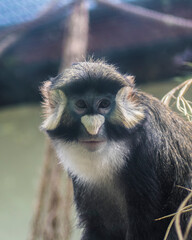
151	14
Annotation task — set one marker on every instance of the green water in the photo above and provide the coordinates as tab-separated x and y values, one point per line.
21	155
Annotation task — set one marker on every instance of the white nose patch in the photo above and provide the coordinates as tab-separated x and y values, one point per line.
92	123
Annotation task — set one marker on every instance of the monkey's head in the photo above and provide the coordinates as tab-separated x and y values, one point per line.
90	106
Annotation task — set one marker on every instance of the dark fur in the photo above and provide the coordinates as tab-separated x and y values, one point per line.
160	159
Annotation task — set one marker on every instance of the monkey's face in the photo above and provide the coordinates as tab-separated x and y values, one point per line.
91	110
81	116
90	104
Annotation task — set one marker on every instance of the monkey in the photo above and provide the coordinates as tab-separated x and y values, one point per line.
129	156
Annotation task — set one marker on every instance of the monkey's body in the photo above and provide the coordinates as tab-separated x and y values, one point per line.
126	167
145	192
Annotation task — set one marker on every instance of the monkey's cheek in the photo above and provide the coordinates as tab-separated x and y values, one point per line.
94	146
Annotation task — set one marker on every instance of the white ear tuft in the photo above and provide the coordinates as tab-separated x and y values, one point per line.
127	112
58	102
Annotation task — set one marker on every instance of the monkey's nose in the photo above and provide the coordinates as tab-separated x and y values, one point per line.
93	123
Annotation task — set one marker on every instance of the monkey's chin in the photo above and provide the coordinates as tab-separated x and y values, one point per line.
93	146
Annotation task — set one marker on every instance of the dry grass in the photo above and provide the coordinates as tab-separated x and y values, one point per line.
183	208
177	97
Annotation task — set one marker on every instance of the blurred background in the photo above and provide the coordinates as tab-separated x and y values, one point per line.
150	39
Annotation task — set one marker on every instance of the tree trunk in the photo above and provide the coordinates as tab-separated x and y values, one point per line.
51	220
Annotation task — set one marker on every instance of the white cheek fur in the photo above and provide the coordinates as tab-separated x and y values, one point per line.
91	166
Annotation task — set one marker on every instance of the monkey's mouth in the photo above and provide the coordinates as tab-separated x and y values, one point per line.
92	145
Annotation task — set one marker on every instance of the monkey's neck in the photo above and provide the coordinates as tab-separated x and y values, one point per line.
91	167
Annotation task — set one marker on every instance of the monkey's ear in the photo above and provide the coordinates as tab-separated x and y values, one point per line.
53	106
130	80
127	111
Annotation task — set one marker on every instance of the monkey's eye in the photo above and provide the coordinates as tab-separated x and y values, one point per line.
81	104
104	103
